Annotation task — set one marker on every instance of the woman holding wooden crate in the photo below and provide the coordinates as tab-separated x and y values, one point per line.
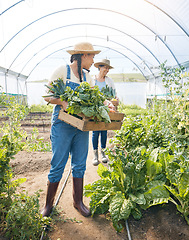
65	138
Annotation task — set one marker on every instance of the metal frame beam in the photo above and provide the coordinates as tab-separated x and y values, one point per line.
94	45
108	10
34	55
164	12
11	7
85	25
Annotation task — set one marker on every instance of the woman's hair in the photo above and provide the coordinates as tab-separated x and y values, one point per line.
77	57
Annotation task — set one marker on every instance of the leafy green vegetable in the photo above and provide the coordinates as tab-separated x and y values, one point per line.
89	101
56	89
149	161
108	92
177	169
84	99
126	188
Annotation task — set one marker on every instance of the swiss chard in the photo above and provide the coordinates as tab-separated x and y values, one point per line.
126	188
84	99
177	171
89	101
108	92
57	88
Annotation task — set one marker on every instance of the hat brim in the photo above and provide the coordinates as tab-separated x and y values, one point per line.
83	52
102	63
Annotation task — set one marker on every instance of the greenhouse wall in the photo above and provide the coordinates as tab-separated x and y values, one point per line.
13	84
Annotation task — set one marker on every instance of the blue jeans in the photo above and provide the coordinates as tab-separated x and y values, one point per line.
66	140
95	138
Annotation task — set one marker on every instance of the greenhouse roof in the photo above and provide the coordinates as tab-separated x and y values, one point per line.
137	35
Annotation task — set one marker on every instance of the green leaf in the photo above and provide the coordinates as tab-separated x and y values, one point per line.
153	168
88	111
108	92
100	192
104	114
103	171
136	213
120	208
138	198
154	155
184	184
156	194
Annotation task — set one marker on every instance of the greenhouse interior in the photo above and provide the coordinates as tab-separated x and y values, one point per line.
136	36
94	143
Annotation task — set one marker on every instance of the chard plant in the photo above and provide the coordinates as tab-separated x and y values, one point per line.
149	162
150	131
134	182
7	187
177	173
89	101
83	99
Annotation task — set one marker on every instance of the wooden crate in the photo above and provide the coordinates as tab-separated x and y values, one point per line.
87	124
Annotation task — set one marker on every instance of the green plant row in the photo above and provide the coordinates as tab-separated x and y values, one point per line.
19	215
149	162
138	180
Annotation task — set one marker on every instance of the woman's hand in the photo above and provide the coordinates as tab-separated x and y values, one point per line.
64	105
57	101
110	105
117	99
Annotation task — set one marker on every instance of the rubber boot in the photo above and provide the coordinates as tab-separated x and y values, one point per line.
103	156
95	159
78	197
51	192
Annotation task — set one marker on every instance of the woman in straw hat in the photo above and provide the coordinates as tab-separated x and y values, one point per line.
65	138
101	80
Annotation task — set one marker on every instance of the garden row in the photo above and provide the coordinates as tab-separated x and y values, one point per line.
149	163
19	215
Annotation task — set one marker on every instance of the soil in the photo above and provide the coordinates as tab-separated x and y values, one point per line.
158	223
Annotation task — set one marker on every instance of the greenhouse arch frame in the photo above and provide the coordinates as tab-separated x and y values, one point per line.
138	36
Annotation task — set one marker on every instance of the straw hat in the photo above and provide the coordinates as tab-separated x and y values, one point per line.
104	62
83	48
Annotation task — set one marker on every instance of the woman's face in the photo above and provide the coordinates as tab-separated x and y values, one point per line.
87	60
104	70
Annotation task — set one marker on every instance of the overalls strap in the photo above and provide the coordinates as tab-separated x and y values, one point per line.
84	76
68	73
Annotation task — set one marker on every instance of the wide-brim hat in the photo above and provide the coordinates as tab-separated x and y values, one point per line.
83	48
104	62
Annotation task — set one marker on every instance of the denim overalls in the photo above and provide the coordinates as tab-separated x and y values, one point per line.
66	140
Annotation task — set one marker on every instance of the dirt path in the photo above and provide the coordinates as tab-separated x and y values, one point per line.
158	223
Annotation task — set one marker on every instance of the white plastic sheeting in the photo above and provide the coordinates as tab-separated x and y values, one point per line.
137	35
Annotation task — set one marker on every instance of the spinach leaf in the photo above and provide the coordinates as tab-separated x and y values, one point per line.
84	99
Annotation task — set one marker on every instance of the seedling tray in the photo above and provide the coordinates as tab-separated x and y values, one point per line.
87	124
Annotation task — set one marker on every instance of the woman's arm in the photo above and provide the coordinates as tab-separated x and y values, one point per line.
57	101
58	73
109	104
